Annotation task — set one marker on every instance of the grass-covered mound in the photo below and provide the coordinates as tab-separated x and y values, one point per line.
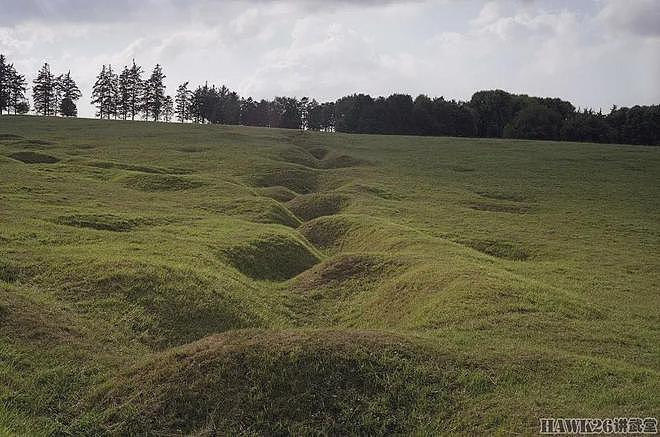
105	222
279	193
311	206
258	210
338	270
134	167
158	305
29	321
298	155
292	382
157	182
273	256
500	249
294	177
339	160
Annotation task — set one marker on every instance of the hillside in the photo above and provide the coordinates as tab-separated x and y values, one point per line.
163	279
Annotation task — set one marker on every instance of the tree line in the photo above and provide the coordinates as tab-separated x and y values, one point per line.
133	94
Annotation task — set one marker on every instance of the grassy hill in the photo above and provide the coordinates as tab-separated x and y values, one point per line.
165	279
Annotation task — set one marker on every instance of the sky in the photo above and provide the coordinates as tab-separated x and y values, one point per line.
595	53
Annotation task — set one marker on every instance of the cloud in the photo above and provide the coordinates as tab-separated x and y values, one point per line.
640	17
595	53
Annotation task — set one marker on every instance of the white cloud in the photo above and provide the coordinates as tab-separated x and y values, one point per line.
596	52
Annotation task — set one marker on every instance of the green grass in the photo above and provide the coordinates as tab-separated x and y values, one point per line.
168	279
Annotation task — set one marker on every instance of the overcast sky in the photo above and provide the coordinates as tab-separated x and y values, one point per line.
593	52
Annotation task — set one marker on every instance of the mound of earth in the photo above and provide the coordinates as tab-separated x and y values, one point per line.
298	155
376	190
138	168
271	256
26	320
342	161
502	195
258	210
279	193
346	267
326	232
155	304
496	207
105	222
318	152
9	137
499	249
156	182
292	382
311	206
296	178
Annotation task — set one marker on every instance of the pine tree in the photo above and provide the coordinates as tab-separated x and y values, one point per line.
104	93
135	90
183	97
17	89
124	94
70	93
43	91
168	109
154	94
98	91
5	84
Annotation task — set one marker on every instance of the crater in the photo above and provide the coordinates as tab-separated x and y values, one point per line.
326	232
311	206
296	178
299	156
274	257
29	157
318	152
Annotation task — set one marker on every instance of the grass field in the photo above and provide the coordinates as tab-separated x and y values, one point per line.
163	279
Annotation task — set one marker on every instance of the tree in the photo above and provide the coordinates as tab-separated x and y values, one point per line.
135	90
18	88
290	114
22	107
5	84
68	108
70	93
534	122
422	116
182	100
168	109
154	94
124	93
495	108
104	93
43	91
12	87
